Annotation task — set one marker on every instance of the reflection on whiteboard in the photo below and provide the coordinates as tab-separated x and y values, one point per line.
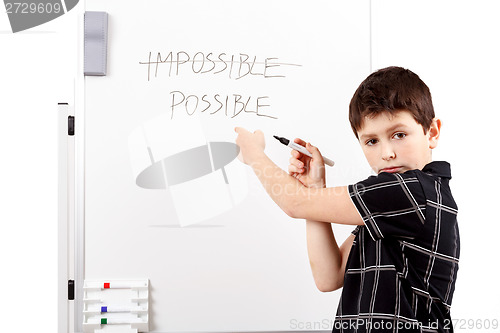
182	161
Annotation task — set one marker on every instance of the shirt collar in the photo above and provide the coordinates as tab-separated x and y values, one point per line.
438	168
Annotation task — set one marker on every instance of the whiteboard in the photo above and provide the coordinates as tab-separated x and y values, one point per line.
165	197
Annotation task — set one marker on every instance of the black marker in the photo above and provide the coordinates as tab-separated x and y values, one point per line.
301	149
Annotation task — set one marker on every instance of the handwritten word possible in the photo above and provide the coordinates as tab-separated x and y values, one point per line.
229	105
233	66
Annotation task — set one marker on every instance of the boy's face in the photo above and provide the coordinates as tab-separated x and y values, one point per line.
396	143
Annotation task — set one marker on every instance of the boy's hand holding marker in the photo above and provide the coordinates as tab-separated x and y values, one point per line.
309	171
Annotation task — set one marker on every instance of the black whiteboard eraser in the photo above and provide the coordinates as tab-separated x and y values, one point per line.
95	43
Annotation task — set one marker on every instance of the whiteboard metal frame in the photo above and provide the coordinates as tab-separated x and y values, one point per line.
80	179
63	199
66	217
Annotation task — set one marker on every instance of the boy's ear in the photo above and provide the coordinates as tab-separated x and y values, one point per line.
433	133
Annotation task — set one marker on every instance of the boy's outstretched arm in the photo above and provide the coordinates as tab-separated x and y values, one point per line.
332	205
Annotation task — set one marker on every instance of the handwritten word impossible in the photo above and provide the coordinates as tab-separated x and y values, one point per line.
233	66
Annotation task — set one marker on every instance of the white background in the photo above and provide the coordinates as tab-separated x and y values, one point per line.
36	72
452	45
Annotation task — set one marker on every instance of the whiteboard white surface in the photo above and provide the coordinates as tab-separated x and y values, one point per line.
219	254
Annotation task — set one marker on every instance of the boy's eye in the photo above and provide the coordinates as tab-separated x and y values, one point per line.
371	142
399	136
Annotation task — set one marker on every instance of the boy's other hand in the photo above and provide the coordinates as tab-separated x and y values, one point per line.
251	144
309	171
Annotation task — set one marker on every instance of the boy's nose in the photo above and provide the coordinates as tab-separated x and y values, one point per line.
388	153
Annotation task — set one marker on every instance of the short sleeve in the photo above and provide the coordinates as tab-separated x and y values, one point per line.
390	204
355	232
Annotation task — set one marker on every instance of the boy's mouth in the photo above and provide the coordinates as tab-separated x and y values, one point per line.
392	169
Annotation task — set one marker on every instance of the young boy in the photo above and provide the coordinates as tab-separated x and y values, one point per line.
398	268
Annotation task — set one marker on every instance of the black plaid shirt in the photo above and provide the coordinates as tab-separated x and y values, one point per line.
401	271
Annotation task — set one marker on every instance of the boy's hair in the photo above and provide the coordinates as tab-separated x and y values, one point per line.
391	89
